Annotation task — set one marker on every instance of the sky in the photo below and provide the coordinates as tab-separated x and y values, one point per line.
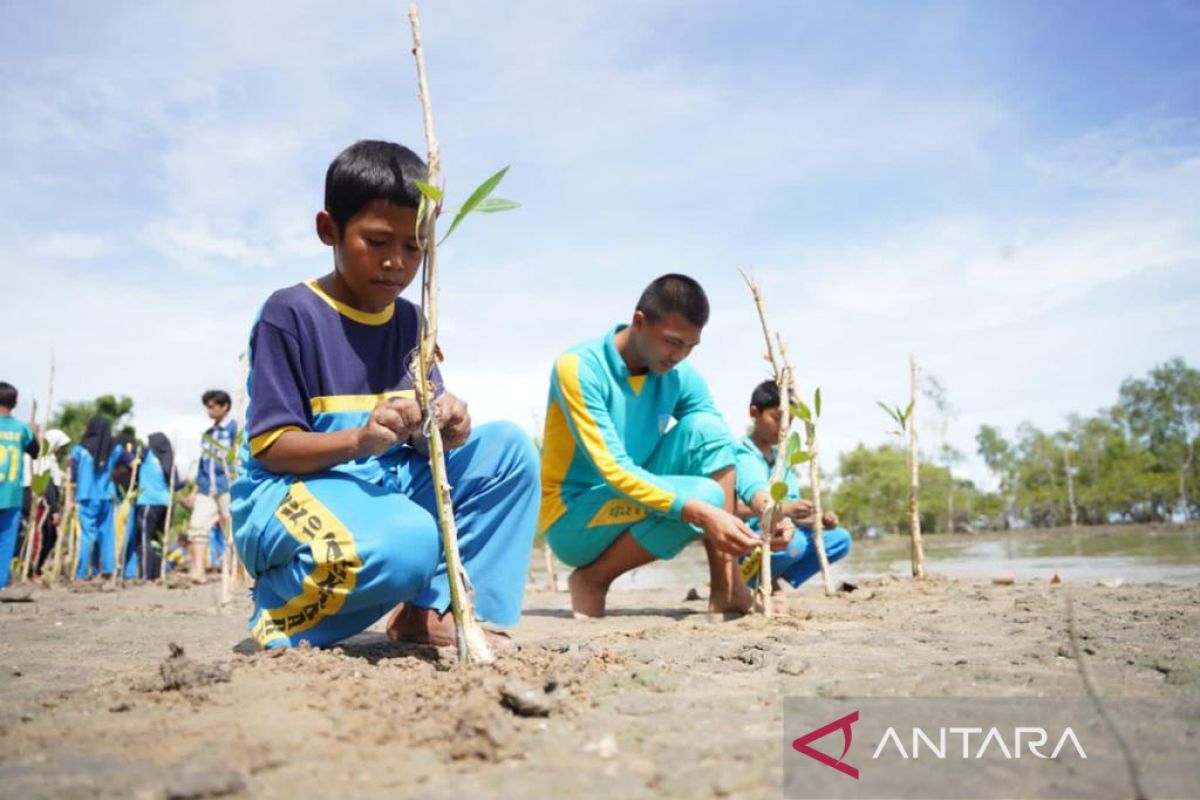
1011	191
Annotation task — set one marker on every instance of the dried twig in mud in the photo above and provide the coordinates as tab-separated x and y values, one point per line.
783	460
914	480
472	644
1135	777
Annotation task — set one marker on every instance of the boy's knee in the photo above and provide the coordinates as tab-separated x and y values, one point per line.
837	543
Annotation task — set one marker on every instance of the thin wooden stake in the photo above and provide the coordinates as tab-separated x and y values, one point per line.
472	643
166	540
914	480
65	524
814	478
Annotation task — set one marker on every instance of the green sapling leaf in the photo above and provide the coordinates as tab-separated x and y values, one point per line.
778	491
803	412
817	401
429	190
496	204
887	410
799	457
478	196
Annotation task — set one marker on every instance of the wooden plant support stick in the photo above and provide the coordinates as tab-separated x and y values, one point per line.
814	478
472	643
914	481
229	557
67	507
551	572
166	540
762	594
123	550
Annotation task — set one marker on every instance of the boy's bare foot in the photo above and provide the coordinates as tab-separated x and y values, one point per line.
198	579
587	597
418	625
736	599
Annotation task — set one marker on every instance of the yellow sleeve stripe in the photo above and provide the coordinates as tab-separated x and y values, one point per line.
265	440
354	402
623	481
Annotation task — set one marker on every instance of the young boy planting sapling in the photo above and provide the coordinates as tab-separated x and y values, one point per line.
334	512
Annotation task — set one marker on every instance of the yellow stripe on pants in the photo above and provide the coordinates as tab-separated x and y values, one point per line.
334	573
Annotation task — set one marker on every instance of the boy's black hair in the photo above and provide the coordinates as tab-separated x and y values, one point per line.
675	294
766	395
8	396
217	396
372	170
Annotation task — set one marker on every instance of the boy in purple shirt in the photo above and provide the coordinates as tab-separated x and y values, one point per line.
334	512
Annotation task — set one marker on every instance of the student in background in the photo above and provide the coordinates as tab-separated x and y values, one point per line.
157	479
211	497
92	463
16	440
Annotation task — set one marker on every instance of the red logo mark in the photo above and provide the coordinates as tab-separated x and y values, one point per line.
843	724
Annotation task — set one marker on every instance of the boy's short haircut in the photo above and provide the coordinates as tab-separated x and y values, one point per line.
8	396
372	170
766	395
675	294
217	396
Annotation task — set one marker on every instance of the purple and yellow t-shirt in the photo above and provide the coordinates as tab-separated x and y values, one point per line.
319	365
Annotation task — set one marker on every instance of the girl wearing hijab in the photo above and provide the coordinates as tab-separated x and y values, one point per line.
157	479
92	463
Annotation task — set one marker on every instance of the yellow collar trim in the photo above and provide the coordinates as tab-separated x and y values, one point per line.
365	317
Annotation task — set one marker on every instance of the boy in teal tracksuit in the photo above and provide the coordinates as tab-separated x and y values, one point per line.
620	487
793	559
16	439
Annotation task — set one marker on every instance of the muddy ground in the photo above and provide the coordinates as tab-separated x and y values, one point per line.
659	699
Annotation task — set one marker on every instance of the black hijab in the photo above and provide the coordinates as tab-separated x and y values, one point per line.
98	440
160	445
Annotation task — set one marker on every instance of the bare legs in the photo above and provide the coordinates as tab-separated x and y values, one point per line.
589	584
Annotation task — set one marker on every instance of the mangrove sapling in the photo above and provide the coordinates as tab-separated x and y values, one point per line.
906	420
791	455
808	453
470	638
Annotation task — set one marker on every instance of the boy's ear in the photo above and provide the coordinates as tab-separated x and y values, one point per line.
639	320
327	229
753	412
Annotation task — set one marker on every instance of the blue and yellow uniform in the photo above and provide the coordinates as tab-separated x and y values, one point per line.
94	493
333	551
610	463
799	561
15	441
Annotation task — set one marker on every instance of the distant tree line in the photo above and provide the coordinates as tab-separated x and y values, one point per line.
1132	462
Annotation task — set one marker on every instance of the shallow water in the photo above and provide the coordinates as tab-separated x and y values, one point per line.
1132	553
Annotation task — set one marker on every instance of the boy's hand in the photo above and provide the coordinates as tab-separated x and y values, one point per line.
728	533
829	520
391	421
454	420
782	535
799	510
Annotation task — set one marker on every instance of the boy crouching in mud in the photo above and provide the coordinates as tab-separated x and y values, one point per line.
334	515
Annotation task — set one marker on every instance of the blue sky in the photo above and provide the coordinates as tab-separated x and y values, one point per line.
1011	190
